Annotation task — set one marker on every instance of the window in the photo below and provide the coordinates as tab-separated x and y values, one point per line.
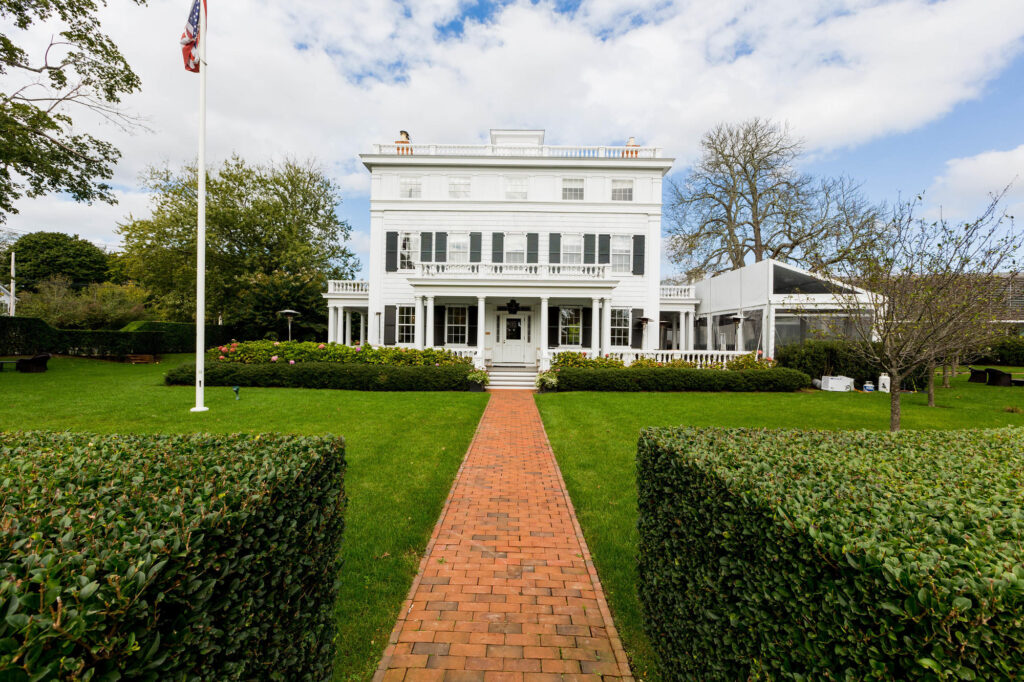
515	248
458	188
620	326
572	249
408	251
458	248
409	187
456	325
622	253
572	189
570	326
622	190
406	324
516	187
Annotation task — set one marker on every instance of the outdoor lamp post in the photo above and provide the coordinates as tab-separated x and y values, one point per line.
290	315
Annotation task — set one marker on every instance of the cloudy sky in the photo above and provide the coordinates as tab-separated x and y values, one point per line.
904	95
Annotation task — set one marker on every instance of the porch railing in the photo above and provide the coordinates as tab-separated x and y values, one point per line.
701	358
544	151
677	292
338	286
515	270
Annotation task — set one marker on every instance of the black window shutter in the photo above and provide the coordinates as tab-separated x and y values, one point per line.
604	249
426	247
391	252
553	327
555	248
475	246
441	247
638	328
588	326
498	247
473	318
390	313
589	249
532	246
439	329
638	254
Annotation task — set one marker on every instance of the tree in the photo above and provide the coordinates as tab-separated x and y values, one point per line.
933	290
744	200
103	305
260	219
42	255
262	295
80	70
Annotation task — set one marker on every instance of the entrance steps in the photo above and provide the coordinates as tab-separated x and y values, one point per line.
516	377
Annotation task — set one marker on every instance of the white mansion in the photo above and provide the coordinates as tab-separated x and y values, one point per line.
513	251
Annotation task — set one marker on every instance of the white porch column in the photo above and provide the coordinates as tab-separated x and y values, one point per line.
418	320
595	318
430	322
365	317
690	332
545	362
339	321
769	331
712	333
739	332
332	314
481	327
346	329
606	326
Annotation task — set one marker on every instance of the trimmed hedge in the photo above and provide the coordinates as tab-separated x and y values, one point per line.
180	337
254	352
1008	351
154	557
29	335
681	379
353	377
832	358
833	555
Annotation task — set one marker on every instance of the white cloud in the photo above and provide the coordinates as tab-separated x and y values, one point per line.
963	190
327	79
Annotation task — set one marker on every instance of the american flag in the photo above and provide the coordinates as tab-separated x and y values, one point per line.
190	38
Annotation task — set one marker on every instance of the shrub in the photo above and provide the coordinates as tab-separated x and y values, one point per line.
1008	351
832	555
681	379
479	377
28	335
547	380
169	557
180	337
831	358
251	352
567	359
352	376
750	361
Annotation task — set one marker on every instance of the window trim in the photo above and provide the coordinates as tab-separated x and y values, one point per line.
449	325
632	188
612	327
408	326
452	179
509	179
413	256
566	237
581	188
418	179
611	254
562	327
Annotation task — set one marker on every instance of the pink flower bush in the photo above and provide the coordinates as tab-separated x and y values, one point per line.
223	357
277	343
321	346
291	362
273	358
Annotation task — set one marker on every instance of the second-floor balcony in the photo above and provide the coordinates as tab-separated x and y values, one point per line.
514	271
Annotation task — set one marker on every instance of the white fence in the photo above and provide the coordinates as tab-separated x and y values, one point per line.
550	151
701	358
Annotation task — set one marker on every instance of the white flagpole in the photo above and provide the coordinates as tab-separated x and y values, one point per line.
10	307
201	236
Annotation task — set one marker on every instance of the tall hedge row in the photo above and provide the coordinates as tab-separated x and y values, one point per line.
29	335
1007	351
681	379
835	358
180	337
353	377
833	555
168	557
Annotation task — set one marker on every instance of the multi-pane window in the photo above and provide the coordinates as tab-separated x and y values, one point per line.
572	189
456	324
458	248
410	187
620	326
515	248
622	190
622	253
406	324
572	249
570	326
458	187
408	250
516	187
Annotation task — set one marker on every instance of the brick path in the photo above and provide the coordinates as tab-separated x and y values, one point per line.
506	590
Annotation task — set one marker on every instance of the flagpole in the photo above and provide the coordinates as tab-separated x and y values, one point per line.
201	236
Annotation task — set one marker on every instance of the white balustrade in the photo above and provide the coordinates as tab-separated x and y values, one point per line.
677	292
701	358
514	270
549	151
449	269
338	286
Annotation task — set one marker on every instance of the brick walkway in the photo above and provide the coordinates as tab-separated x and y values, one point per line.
506	590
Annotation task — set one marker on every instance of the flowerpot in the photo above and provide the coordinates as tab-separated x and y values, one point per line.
476	388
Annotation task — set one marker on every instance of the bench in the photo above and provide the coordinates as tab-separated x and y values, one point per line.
33	365
7	362
139	359
978	376
997	377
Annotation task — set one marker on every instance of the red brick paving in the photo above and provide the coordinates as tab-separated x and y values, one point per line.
506	590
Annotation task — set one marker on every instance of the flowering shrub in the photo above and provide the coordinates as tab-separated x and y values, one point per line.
255	352
750	361
583	360
548	380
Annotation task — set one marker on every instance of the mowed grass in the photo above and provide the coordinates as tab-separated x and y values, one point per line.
594	436
403	450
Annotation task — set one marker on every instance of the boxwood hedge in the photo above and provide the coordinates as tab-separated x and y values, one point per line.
681	379
833	556
354	377
168	557
818	358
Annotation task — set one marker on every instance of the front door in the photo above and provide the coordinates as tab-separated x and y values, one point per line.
514	342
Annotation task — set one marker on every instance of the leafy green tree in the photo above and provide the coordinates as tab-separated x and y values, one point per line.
260	219
102	305
80	70
42	255
261	296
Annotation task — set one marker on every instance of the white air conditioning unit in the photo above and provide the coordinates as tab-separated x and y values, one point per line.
836	383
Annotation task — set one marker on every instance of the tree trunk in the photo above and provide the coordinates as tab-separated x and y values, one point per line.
945	374
931	384
894	403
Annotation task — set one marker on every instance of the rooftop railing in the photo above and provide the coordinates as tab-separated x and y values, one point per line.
544	151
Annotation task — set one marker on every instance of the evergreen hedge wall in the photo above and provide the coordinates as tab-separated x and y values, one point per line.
836	358
337	375
169	557
681	379
833	555
29	335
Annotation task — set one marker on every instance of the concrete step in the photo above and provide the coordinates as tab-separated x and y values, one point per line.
515	378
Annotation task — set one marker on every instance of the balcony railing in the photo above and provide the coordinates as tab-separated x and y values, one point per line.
677	292
545	151
515	270
338	286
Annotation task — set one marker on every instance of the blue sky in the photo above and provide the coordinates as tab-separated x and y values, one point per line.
903	95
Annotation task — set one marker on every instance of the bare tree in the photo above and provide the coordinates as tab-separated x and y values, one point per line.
744	200
934	290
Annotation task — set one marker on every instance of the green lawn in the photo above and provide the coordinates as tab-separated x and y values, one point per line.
594	437
403	450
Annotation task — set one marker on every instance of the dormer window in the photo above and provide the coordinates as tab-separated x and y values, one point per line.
410	187
572	189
